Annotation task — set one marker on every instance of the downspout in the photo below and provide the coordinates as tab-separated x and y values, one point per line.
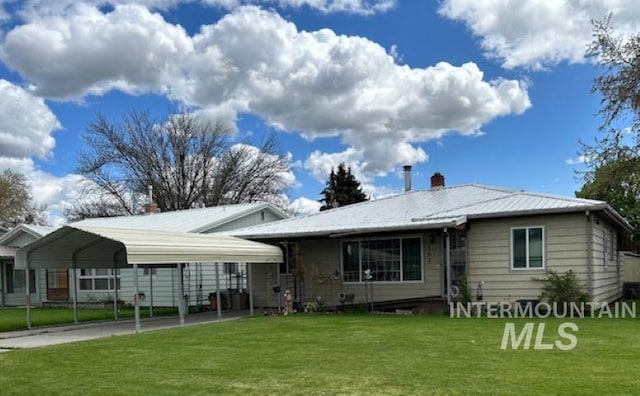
448	263
589	255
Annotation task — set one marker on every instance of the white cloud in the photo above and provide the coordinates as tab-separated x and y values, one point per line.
31	9
581	159
539	33
320	164
304	206
26	123
317	83
87	51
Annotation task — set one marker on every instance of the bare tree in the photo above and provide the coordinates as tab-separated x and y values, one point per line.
188	162
92	206
613	161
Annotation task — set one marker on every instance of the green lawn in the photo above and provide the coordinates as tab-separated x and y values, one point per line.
16	318
333	354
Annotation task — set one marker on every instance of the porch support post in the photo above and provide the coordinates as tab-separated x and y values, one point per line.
448	263
250	287
218	301
27	295
180	294
136	298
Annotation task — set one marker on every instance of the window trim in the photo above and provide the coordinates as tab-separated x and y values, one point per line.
399	238
544	250
151	270
93	277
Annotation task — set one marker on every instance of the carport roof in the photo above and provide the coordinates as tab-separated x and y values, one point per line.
91	247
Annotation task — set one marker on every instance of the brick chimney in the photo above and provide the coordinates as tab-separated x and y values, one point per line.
407	178
437	181
150	207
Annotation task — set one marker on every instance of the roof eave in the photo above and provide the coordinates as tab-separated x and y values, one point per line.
339	233
596	207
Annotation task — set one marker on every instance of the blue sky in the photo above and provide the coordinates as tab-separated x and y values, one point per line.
495	92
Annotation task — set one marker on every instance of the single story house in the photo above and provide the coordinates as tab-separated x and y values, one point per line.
12	280
157	286
419	244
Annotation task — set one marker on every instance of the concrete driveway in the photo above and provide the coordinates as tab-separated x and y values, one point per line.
88	331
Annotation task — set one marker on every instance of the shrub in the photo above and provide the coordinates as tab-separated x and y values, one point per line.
562	288
465	292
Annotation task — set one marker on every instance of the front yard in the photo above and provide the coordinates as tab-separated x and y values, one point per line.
334	354
12	319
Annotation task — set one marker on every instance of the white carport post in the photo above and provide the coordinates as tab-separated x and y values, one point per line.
218	301
136	298
150	291
75	289
180	294
250	287
115	285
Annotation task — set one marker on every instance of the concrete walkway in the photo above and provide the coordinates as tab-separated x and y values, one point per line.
54	335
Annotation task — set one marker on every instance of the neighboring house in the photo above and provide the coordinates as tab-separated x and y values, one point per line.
13	281
412	243
155	284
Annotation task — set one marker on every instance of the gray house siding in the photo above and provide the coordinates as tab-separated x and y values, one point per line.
571	242
260	217
607	264
322	257
17	298
567	247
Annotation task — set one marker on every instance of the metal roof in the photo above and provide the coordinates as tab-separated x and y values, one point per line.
90	247
427	209
192	220
33	230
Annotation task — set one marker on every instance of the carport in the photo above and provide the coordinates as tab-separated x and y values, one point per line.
113	248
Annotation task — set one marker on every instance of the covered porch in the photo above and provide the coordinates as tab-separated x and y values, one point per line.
78	248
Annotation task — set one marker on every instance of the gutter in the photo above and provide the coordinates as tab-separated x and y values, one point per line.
348	231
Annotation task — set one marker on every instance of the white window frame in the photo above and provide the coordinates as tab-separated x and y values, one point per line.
609	245
400	238
93	277
544	250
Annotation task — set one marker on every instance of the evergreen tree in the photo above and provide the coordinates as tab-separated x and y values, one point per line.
342	189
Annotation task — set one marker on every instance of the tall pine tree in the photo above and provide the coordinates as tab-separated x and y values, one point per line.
342	189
